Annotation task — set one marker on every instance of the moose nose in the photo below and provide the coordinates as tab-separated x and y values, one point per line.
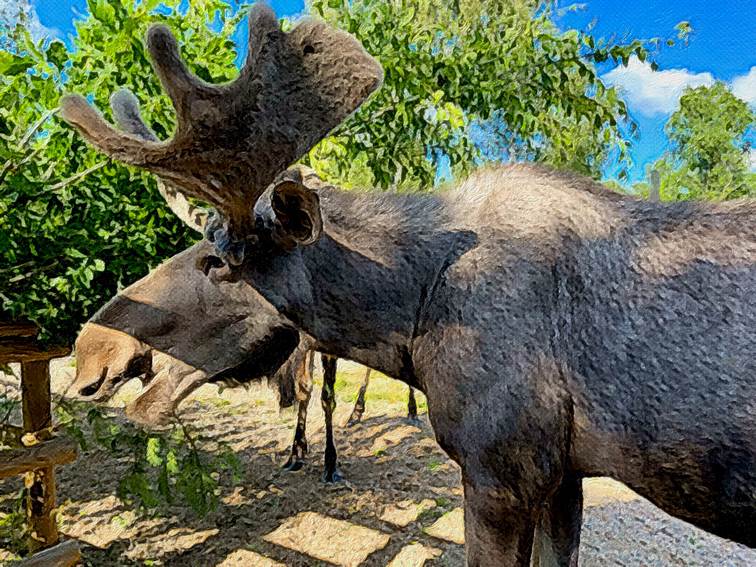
93	386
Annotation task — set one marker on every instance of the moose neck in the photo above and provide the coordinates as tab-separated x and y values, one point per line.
369	276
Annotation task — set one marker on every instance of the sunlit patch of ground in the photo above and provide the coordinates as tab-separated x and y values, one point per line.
401	504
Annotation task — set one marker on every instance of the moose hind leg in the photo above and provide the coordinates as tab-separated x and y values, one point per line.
359	405
412	407
328	402
299	447
557	535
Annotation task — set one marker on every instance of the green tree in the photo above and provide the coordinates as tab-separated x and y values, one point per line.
709	157
454	68
74	226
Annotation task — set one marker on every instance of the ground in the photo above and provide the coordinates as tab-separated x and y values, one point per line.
400	504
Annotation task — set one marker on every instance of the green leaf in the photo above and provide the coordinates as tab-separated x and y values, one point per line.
102	11
171	463
12	64
57	54
153	452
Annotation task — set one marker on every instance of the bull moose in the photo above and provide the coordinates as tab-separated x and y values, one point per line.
558	330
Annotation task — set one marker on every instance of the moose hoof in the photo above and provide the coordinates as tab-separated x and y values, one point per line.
414	420
293	465
354	420
332	477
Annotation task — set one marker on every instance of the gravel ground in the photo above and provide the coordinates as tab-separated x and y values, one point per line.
400	506
638	533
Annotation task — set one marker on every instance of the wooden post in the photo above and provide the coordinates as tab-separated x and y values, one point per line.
40	484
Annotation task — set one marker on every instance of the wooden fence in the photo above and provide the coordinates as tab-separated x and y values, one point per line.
35	450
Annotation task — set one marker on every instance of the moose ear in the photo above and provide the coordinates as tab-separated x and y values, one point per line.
297	210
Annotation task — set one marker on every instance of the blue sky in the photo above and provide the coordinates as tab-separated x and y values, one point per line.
722	47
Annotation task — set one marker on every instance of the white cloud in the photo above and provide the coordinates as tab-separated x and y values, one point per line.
10	10
744	87
652	92
752	159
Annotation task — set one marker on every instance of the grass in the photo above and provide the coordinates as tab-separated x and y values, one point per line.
434	464
382	389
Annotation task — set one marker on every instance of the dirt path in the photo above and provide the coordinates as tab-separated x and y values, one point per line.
400	505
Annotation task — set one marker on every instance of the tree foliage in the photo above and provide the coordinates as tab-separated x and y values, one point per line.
709	157
75	226
470	80
465	81
165	468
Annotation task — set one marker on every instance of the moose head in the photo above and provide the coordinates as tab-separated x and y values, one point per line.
232	140
176	330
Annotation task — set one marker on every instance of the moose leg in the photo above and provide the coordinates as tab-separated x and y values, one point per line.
328	401
304	387
299	447
412	407
498	530
359	405
557	537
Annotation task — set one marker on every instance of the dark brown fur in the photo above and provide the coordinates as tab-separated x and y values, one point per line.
558	331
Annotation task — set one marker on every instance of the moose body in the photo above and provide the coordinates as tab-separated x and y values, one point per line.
559	330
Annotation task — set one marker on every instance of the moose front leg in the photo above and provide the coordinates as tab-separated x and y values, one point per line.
328	401
498	529
557	536
359	405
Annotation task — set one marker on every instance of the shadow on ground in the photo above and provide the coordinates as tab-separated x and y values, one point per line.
400	504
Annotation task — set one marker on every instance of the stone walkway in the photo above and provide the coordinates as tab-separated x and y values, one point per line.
621	529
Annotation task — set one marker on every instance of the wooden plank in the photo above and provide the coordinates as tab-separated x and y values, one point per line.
40	499
57	451
28	350
65	554
18	329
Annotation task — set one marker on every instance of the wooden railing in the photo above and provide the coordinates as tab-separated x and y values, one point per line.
35	451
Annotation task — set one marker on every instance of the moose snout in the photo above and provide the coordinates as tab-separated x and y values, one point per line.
86	389
105	359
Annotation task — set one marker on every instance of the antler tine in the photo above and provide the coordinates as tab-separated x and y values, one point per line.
262	21
126	112
75	110
232	140
176	79
128	116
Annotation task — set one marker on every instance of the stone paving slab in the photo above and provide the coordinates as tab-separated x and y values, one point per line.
405	512
328	539
414	555
246	558
599	491
389	439
449	527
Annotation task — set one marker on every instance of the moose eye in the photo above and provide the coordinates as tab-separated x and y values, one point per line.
308	49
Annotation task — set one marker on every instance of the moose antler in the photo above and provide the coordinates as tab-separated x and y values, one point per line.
125	107
232	140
